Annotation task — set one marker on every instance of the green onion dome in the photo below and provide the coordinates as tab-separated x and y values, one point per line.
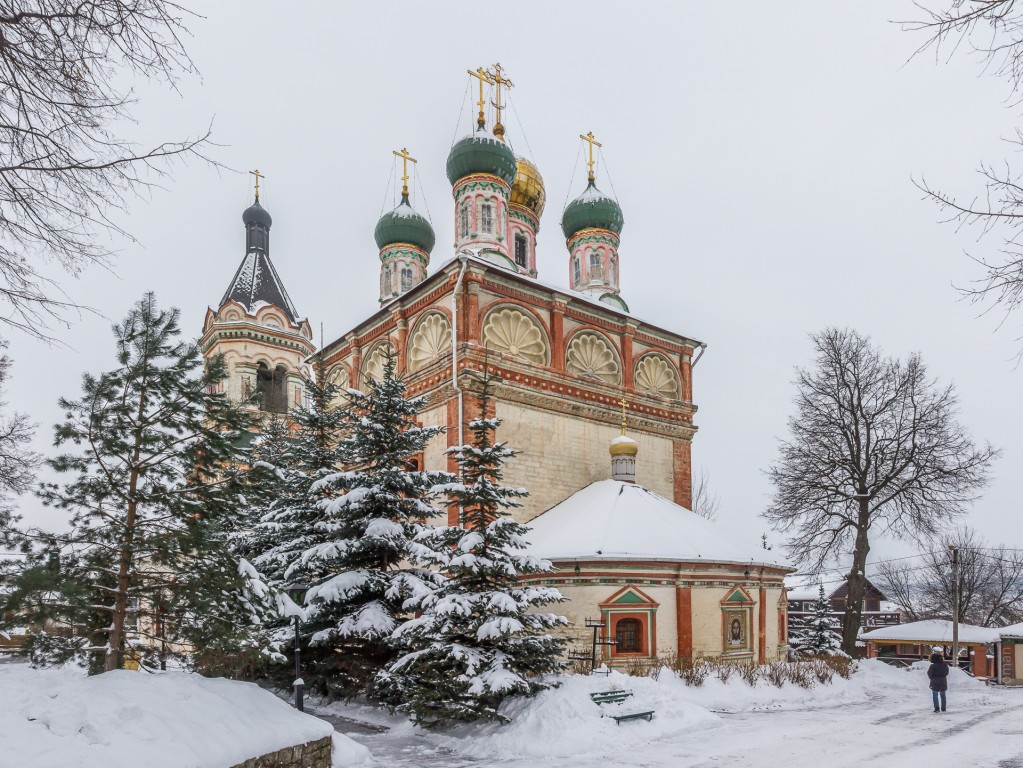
481	153
592	210
404	225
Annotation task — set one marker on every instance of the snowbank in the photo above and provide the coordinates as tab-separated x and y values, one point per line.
63	719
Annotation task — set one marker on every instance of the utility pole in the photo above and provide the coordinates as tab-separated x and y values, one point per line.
955	604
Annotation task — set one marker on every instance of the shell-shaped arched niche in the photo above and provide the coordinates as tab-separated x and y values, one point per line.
373	365
430	340
589	354
655	375
514	332
338	376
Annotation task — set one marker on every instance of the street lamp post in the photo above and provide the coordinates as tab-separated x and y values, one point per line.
297	593
955	604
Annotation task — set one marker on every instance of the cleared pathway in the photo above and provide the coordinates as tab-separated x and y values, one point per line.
887	732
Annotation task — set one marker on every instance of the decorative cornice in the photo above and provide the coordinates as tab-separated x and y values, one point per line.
242	330
482	181
521	212
405	250
584	236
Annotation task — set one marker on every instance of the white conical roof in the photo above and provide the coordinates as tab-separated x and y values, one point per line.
614	520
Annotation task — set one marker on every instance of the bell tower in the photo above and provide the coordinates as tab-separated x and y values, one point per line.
256	327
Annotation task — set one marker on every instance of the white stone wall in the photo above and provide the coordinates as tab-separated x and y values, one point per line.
561	454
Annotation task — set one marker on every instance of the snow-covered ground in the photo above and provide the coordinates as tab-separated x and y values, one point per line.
62	719
881	717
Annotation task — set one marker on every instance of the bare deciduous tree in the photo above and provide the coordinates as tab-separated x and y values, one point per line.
990	581
992	30
17	462
875	449
705	501
64	170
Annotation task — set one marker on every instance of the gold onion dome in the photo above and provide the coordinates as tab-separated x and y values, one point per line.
527	188
623	446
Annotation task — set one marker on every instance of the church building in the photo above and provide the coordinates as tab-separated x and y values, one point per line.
571	364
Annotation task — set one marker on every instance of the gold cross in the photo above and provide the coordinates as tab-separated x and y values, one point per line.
498	78
623	403
592	142
481	75
406	158
258	176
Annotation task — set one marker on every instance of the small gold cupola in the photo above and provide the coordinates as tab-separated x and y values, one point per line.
623	450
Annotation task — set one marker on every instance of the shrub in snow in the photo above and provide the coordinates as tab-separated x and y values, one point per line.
478	639
150	483
366	544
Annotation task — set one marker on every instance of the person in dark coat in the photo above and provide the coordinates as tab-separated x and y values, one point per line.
938	674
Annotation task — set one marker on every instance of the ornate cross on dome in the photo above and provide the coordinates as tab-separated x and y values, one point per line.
623	402
258	176
592	142
406	158
498	78
481	75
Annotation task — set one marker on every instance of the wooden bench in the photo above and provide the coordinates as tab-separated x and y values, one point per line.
610	697
648	716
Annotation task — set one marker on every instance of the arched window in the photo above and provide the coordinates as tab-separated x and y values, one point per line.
463	219
264	381
406	279
520	250
628	636
613	273
272	388
595	270
385	281
577	271
486	218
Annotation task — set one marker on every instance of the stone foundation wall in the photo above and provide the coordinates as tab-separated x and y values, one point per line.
313	754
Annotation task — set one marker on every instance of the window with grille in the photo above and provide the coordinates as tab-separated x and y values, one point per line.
577	272
627	635
520	250
463	219
486	218
406	278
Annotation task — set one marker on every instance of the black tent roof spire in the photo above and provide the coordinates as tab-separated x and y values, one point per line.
256	282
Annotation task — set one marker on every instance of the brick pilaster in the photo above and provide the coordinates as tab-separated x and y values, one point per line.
682	472
684	621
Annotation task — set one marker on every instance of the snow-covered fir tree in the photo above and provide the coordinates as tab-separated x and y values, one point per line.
479	638
818	634
367	551
151	489
287	462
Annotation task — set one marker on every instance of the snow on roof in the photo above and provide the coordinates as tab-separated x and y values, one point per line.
1013	630
256	284
936	631
803	591
614	520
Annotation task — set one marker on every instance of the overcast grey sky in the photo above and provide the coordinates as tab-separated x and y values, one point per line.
761	152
